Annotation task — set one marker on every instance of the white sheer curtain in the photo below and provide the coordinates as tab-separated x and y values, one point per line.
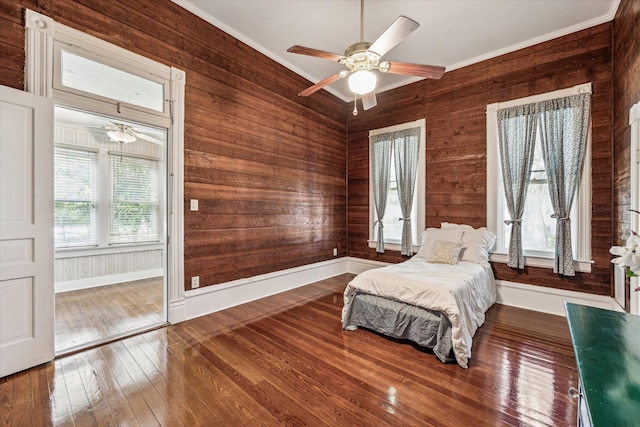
516	140
564	126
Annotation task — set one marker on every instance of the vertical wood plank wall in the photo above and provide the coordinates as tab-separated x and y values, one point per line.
268	167
626	93
454	108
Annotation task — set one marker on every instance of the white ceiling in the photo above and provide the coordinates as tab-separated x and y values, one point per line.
452	33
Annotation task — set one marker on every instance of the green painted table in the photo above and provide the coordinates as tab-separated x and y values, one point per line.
607	348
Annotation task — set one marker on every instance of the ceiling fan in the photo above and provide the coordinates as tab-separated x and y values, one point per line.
122	133
363	57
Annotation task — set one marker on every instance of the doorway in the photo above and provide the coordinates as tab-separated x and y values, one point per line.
110	210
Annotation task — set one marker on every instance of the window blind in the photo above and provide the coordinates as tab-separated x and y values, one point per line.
135	213
75	197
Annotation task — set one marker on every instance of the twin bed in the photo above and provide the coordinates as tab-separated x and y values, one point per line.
437	299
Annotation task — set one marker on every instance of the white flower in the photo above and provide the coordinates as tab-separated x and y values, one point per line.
628	255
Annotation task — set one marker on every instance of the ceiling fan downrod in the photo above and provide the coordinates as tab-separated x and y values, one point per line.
361	21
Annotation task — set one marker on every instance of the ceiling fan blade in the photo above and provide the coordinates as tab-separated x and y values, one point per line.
315	53
369	100
419	70
316	87
397	32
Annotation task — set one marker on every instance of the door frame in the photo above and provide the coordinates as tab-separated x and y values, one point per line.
41	32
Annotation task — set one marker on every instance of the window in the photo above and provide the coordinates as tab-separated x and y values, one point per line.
634	122
538	227
75	197
107	193
134	200
393	213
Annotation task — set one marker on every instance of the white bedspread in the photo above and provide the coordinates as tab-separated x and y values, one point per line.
464	292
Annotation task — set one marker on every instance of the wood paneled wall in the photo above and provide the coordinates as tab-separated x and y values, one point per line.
626	93
454	108
268	167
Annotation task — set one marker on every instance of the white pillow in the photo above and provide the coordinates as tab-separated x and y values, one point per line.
443	252
431	235
476	242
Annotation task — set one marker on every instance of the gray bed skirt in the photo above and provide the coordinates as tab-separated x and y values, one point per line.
427	328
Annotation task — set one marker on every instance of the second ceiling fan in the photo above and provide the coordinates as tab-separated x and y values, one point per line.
363	57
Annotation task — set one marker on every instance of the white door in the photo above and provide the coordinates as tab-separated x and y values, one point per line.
26	230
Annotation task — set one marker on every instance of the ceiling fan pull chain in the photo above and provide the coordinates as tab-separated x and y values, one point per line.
355	104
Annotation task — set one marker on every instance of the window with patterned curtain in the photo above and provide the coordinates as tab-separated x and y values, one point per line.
538	224
393	218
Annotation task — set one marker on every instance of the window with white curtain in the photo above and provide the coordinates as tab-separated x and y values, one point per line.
135	215
75	197
538	227
393	212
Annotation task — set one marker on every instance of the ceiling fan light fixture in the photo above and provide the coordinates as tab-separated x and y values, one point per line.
362	82
120	136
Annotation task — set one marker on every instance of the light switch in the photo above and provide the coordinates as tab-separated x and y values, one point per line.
194	204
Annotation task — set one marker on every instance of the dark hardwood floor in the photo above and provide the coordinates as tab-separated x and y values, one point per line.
284	360
90	315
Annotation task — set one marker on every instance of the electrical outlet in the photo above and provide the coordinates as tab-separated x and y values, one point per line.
195	282
335	251
194	204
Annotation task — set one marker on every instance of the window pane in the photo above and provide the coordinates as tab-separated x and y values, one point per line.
75	193
135	213
393	213
90	76
538	227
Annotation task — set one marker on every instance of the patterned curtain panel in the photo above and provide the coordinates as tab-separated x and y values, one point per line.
406	145
381	146
564	126
516	140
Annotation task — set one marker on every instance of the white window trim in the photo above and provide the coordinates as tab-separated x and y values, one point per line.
419	194
583	202
41	32
634	220
634	122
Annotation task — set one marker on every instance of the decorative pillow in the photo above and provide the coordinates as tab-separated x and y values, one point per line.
476	242
443	252
431	235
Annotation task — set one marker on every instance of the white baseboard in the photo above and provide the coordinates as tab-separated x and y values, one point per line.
93	282
548	300
211	299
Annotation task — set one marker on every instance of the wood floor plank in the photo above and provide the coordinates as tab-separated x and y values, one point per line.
88	315
285	360
110	390
231	390
179	396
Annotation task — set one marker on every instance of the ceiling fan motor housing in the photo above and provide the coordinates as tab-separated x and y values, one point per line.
358	57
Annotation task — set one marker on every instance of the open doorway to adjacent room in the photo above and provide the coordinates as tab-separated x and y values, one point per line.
110	216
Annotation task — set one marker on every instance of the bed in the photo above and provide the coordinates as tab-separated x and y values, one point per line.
437	299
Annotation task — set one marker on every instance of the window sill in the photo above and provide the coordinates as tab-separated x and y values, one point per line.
116	249
532	261
391	246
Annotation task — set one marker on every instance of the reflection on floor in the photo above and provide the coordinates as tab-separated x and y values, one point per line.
89	315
